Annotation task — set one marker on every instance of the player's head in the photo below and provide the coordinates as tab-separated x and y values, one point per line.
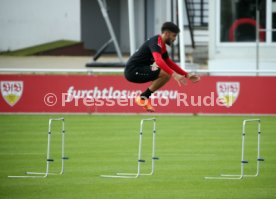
170	26
170	31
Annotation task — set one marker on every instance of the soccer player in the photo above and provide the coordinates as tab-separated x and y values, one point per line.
139	68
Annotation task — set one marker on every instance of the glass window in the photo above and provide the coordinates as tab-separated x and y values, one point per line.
274	20
238	20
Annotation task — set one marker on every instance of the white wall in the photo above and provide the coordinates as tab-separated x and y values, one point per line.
24	23
162	14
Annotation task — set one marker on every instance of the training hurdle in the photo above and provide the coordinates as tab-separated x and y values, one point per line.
243	161
48	159
140	160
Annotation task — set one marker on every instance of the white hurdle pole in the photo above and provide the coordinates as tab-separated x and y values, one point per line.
140	160
48	157
259	149
153	158
63	157
153	149
242	156
259	158
48	160
243	161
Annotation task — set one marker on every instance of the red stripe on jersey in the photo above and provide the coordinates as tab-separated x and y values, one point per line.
161	44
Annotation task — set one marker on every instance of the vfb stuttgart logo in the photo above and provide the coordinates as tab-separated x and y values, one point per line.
11	91
228	92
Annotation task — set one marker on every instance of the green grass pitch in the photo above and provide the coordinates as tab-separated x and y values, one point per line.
189	148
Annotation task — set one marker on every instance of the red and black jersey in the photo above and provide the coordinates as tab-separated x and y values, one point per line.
154	50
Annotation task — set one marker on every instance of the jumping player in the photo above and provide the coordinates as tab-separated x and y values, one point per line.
139	68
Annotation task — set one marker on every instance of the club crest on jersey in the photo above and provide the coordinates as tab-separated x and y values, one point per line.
11	91
228	92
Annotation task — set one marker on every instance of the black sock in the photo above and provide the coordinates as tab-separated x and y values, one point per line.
146	94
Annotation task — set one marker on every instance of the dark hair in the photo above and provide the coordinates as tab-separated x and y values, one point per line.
170	26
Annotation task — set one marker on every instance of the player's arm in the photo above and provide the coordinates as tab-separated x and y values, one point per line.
163	65
176	68
156	53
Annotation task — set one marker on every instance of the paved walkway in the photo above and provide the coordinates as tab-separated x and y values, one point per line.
51	62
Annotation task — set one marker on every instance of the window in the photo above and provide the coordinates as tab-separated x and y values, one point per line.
238	20
274	20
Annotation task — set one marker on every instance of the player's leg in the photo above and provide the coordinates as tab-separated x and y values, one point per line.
162	79
144	74
141	74
157	83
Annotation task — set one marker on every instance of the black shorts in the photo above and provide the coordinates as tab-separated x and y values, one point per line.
141	74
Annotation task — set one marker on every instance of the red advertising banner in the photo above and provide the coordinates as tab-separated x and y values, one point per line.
114	94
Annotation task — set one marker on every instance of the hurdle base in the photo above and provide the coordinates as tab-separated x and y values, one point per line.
27	176
31	175
120	176
130	174
127	175
36	175
223	178
226	177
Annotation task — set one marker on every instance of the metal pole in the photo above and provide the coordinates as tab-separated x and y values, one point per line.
62	147
201	12
110	29
259	148
190	22
257	40
140	147
181	34
131	21
242	153
172	19
153	146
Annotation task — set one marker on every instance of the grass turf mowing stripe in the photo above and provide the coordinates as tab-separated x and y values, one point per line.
189	147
